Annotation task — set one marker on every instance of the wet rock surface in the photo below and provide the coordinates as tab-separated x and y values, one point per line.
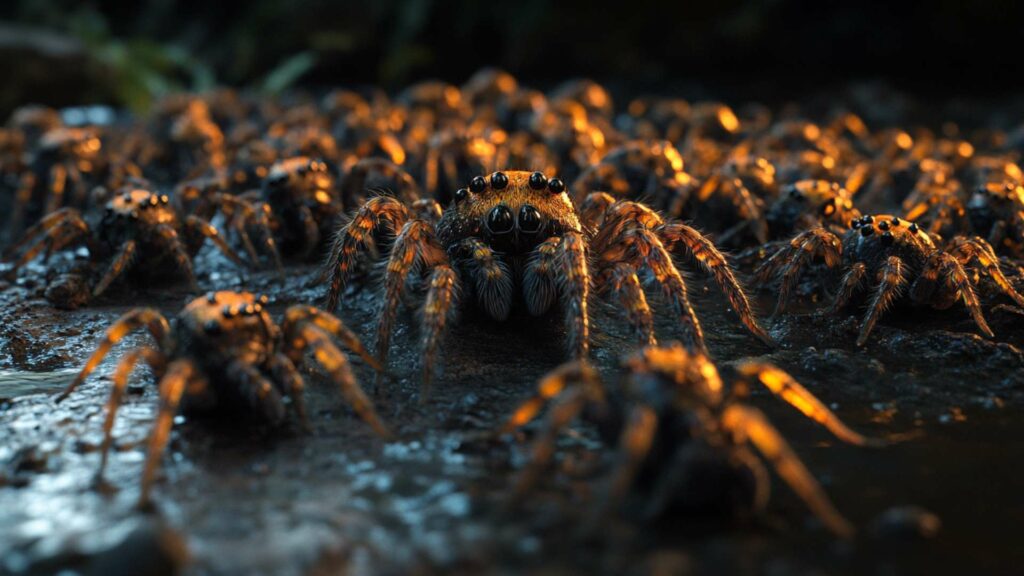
233	498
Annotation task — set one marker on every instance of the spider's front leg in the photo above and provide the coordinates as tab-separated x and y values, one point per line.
158	327
377	215
174	245
206	230
180	376
891	279
157	362
125	257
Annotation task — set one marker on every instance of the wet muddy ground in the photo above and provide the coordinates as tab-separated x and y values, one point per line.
239	499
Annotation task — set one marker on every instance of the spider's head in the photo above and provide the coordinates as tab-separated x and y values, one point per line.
132	208
672	377
807	203
511	211
227	321
297	179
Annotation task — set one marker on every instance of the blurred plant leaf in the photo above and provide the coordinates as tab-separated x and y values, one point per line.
285	74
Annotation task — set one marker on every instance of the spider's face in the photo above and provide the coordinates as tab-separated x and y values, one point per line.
77	144
137	208
298	179
234	324
873	238
994	202
808	202
511	211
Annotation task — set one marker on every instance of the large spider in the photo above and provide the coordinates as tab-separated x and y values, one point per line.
224	352
517	238
139	231
684	440
809	203
893	252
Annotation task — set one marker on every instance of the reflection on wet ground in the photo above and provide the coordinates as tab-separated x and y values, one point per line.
242	499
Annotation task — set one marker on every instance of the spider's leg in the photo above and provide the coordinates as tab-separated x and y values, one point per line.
492	279
891	280
622	280
714	262
22	198
593	209
442	294
353	237
967	250
310	232
46	226
852	281
634	446
120	380
540	288
997	233
951	269
257	390
58	183
285	371
790	391
121	262
750	425
640	247
565	409
208	231
180	374
296	315
133	319
574	283
816	241
261	220
66	234
575	373
176	248
338	367
77	185
414	249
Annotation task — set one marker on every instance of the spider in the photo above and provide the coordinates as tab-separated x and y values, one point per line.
686	443
997	211
224	352
809	203
139	231
516	238
61	170
298	205
650	172
893	252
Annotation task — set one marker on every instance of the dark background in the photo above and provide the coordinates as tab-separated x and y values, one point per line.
66	51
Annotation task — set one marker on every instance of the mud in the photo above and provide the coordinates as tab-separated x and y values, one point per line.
238	499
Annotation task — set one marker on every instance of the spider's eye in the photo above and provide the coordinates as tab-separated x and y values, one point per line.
913	228
529	219
538	181
499	180
867	230
883	226
477	184
887	239
556	186
212	327
500	220
460	195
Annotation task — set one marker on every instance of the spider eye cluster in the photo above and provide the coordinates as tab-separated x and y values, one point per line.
500	181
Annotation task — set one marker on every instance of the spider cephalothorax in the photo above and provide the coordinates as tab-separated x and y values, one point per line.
892	253
139	230
516	239
224	352
809	203
686	442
